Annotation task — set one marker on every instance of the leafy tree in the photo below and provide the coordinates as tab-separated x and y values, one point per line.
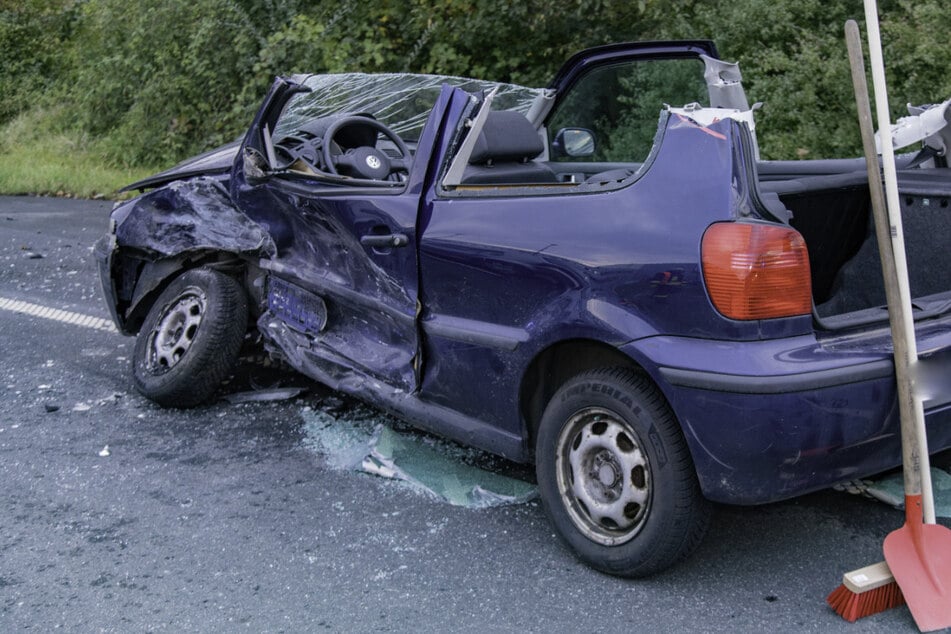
32	36
794	60
916	52
156	82
163	85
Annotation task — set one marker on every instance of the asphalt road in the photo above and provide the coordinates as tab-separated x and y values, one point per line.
116	515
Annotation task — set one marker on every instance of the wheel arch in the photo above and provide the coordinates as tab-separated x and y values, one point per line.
155	276
553	366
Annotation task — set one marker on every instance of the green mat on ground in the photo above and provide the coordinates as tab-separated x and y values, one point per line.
891	490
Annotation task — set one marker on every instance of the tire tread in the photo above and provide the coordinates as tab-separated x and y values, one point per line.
690	510
196	379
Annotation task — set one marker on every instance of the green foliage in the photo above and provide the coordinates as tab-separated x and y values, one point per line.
163	85
620	104
184	75
153	82
916	51
793	58
32	36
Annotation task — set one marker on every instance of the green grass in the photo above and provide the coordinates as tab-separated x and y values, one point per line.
38	158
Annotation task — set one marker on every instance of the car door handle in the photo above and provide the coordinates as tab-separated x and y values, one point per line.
384	241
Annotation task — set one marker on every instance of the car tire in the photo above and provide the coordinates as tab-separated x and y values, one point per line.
615	475
190	340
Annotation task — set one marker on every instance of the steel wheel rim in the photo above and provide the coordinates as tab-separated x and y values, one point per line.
175	332
604	476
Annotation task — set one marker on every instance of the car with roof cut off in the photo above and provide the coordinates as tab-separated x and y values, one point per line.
601	277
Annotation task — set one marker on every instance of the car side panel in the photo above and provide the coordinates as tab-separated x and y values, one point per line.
504	277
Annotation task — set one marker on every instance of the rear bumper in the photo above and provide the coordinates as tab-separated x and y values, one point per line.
769	420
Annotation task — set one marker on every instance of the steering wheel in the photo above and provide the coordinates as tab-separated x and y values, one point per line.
297	147
364	161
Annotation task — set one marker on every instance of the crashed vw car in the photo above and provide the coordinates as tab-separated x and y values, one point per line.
600	277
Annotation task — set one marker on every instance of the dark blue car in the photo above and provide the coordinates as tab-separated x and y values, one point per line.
600	276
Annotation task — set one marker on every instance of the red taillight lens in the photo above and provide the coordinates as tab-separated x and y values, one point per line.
756	271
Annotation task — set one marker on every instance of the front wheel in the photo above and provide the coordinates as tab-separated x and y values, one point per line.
190	340
615	475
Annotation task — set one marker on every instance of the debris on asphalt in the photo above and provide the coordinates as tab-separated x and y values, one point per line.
104	452
112	399
264	395
891	490
85	406
405	458
369	445
50	408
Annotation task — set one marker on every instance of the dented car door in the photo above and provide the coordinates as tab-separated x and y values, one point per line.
345	275
341	290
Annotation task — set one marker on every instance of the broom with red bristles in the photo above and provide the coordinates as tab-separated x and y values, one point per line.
866	591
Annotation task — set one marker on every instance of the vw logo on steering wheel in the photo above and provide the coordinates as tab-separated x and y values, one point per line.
373	162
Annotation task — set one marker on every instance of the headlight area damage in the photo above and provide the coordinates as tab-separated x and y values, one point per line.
184	225
600	277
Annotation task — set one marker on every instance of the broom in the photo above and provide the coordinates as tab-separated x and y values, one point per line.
866	591
872	589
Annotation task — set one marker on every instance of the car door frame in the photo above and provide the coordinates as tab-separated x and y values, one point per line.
376	290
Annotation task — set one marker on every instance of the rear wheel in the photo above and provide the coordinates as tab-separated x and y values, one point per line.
190	339
615	475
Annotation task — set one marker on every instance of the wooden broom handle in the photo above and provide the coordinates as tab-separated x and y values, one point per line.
914	460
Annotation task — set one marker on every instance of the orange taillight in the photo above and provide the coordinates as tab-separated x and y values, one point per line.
756	271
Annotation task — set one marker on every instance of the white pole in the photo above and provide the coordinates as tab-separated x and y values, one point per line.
898	248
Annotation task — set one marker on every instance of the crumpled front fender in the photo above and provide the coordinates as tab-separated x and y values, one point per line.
191	215
161	232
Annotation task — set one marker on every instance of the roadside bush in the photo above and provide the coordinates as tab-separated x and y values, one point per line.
917	52
154	82
163	85
793	59
33	34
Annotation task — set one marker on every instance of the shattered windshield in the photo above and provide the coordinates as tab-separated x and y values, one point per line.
400	101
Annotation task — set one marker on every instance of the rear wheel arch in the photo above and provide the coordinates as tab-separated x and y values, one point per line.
557	364
554	366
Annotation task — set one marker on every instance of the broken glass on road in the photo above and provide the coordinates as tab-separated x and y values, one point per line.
364	441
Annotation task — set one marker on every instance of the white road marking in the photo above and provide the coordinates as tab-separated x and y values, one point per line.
64	316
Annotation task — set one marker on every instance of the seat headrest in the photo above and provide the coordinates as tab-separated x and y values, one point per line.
507	136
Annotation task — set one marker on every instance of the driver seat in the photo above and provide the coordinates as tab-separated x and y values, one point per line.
504	151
